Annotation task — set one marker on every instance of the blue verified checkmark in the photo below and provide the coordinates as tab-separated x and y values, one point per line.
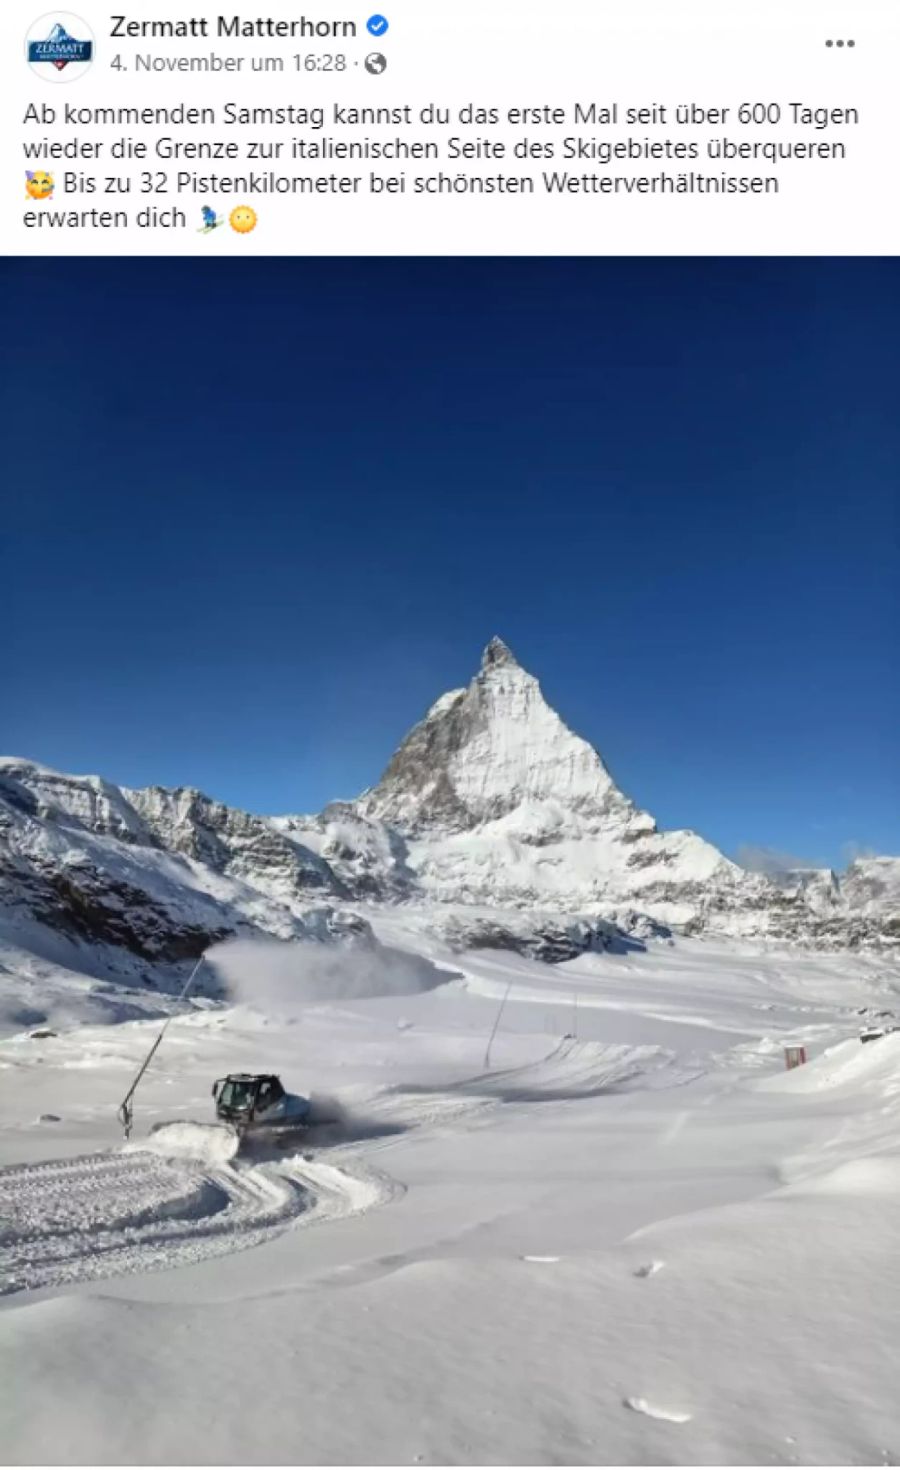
377	25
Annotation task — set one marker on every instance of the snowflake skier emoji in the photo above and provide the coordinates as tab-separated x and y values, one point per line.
210	221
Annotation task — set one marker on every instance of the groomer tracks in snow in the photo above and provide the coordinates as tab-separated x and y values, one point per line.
180	1197
134	1210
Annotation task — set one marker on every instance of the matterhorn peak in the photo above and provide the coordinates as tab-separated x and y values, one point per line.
497	800
496	752
498	654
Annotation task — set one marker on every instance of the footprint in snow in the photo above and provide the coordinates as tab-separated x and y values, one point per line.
652	1411
650	1268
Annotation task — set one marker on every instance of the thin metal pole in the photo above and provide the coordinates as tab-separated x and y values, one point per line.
126	1111
487	1055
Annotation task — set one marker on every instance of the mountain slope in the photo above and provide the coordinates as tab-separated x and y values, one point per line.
494	750
135	884
501	802
500	823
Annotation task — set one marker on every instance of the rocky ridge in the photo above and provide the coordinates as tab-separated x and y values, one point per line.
492	815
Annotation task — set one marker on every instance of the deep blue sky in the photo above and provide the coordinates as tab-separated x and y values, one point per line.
257	515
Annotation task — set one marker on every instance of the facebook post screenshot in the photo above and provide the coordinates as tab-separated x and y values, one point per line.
449	756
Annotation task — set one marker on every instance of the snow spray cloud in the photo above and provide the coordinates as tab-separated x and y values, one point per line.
772	862
280	977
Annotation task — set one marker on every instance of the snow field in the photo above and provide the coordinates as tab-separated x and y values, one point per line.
105	1215
644	1244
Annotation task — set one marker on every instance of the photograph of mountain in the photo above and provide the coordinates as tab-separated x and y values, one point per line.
449	862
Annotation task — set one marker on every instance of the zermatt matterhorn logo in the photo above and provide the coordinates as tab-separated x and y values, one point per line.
59	47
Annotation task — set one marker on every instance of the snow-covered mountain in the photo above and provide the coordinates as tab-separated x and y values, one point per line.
134	883
502	825
500	802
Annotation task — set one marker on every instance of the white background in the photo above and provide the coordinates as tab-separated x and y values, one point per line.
500	54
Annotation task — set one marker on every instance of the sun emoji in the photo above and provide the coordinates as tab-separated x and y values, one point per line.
243	219
39	185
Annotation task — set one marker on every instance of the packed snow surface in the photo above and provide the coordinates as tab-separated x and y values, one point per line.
567	1214
559	1200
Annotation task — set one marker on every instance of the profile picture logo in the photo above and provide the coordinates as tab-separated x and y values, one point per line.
59	47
